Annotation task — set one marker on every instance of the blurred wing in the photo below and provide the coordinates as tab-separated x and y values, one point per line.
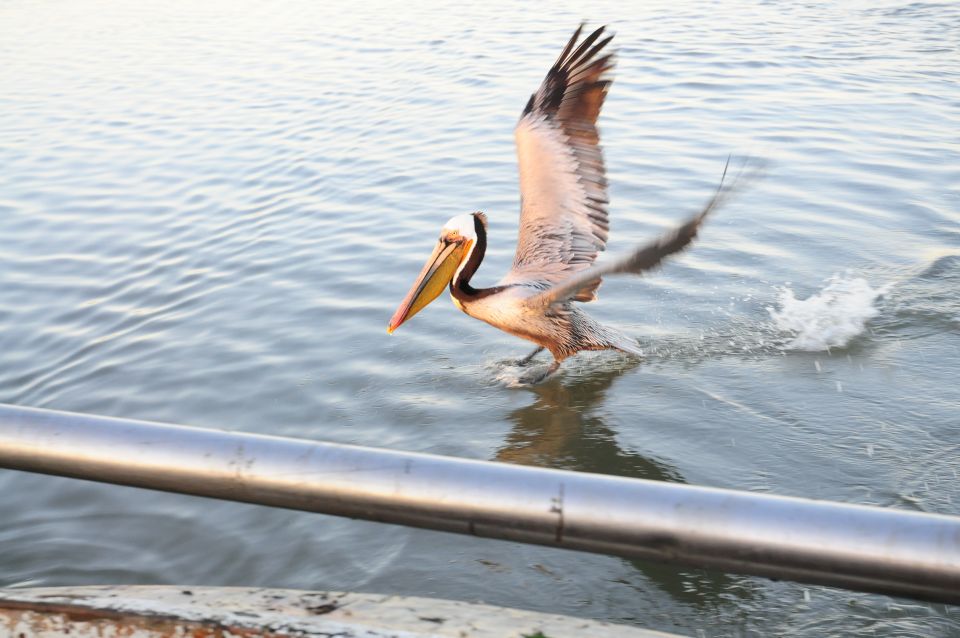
563	188
650	255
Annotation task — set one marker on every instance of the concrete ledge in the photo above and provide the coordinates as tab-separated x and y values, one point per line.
147	611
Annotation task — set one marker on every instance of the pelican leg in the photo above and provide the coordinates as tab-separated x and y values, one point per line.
527	359
540	377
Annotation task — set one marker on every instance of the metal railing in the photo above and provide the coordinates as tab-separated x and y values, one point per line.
864	548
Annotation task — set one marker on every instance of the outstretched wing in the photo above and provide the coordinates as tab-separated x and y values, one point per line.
563	188
649	255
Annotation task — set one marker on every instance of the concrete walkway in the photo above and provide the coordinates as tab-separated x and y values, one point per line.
198	612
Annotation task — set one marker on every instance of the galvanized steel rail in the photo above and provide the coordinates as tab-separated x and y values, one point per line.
864	548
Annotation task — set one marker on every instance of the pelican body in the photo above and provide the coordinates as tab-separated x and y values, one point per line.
563	223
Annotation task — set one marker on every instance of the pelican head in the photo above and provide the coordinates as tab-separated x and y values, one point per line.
457	239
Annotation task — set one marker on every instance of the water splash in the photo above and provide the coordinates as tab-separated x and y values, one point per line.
829	319
584	365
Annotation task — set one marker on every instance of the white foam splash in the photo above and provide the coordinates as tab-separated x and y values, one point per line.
830	318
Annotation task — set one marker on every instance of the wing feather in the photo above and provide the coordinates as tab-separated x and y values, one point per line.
650	255
563	185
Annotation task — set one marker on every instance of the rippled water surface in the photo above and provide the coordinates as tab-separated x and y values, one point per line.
208	213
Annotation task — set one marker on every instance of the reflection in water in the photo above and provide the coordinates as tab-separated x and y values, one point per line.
561	430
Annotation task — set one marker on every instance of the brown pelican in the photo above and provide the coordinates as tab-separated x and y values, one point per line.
563	223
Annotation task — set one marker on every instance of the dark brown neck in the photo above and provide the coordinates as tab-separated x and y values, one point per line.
460	287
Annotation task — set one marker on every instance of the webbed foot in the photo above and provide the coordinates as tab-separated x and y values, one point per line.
527	359
539	376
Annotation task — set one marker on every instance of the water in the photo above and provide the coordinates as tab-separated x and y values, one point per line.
209	213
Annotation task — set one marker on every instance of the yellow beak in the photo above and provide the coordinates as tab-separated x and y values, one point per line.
436	274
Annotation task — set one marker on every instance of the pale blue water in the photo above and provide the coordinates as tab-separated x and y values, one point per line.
208	215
